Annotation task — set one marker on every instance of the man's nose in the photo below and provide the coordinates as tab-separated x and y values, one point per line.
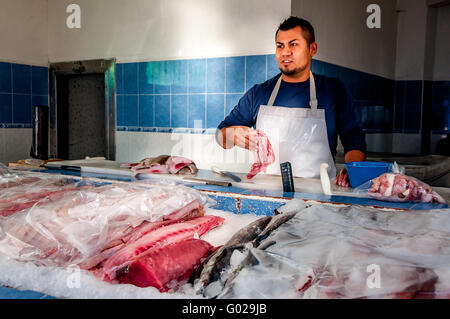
286	51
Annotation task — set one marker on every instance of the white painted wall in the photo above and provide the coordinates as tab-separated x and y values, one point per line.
442	47
149	30
23	31
411	39
201	148
343	37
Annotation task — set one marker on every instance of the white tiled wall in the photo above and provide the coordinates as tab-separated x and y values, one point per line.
201	148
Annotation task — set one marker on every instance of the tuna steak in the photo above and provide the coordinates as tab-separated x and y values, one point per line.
158	238
159	268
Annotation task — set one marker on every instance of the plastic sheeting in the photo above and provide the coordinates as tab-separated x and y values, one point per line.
58	221
348	252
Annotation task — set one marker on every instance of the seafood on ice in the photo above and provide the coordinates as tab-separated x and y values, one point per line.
379	254
402	188
121	232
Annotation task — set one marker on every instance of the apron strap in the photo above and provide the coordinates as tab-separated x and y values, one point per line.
274	94
312	93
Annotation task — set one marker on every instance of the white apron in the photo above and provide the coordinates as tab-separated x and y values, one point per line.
297	135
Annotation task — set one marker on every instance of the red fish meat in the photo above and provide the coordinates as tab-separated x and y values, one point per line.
401	188
161	267
264	156
158	238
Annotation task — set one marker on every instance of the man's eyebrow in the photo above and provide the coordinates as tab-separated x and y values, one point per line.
278	42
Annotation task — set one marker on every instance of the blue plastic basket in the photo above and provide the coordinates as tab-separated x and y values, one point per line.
361	172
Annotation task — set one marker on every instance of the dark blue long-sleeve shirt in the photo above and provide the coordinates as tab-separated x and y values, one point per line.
340	113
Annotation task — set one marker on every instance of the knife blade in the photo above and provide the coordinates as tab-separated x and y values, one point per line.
225	173
232	176
207	181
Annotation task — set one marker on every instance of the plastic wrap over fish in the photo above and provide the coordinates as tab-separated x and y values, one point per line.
59	221
348	252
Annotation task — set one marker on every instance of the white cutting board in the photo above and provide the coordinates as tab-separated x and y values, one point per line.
102	166
99	166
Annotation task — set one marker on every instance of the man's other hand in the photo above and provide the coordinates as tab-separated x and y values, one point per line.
342	179
351	156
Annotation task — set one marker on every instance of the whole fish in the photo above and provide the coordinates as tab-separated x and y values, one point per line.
212	269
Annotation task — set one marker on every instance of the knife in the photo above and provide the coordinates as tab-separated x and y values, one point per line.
230	175
207	181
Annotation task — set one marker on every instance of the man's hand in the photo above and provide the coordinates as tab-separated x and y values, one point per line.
342	179
351	156
241	136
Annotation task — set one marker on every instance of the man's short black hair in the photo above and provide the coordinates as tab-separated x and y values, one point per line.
293	22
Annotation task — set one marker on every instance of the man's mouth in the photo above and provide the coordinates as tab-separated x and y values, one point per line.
286	61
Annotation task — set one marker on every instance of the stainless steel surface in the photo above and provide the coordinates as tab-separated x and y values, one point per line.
105	67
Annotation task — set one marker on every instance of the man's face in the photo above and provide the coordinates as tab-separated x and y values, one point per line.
293	52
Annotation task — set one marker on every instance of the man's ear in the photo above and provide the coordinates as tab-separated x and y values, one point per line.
313	49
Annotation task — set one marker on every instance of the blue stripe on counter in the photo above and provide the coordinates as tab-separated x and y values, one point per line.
10	293
265	204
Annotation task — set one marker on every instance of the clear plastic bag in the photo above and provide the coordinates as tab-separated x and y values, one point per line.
349	252
60	221
397	187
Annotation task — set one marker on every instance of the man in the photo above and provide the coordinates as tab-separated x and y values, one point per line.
304	125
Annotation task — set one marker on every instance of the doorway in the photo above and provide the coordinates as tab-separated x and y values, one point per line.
82	109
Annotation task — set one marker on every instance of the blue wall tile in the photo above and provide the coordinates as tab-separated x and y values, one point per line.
179	76
331	70
235	67
130	104
146	78
22	109
5	77
255	70
21	78
162	75
146	110
120	110
215	82
215	109
5	108
399	105
180	88
197	77
272	66
197	111
413	92
39	100
180	110
119	78
440	107
130	78
39	80
412	118
162	110
317	66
